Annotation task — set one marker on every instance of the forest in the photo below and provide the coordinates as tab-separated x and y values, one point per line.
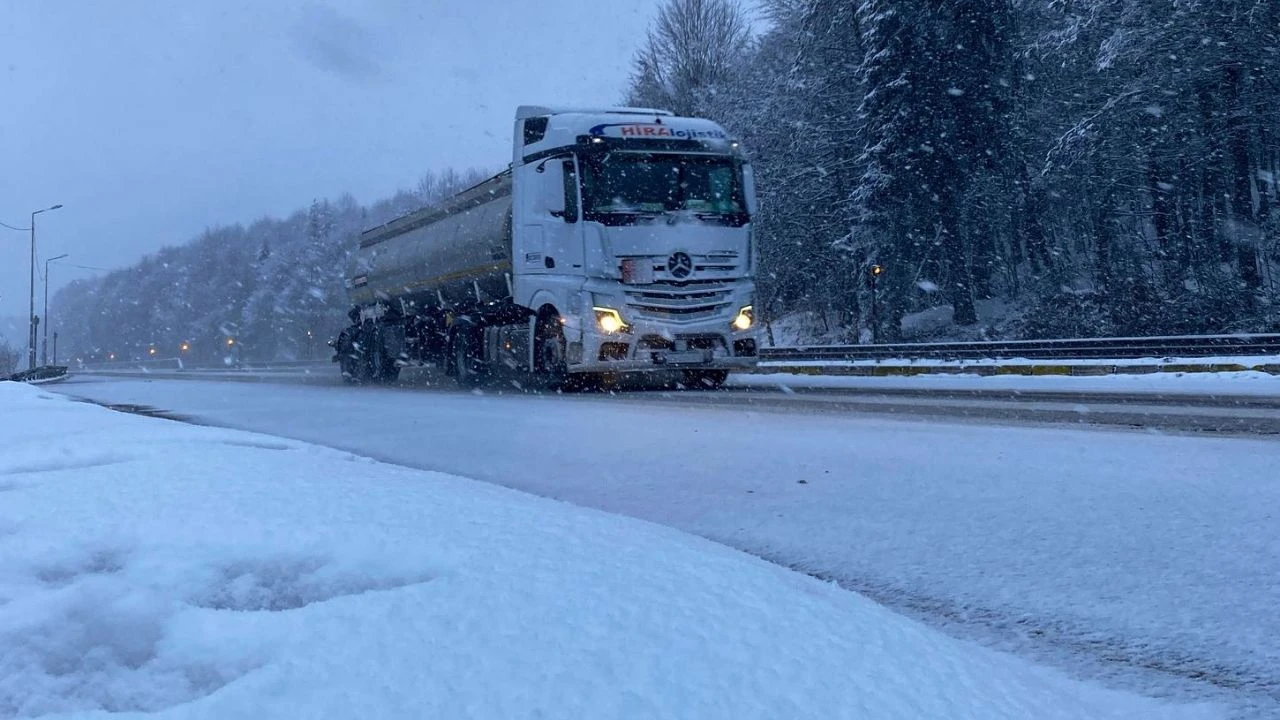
1014	168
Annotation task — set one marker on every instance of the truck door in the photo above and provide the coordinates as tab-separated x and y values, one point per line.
551	241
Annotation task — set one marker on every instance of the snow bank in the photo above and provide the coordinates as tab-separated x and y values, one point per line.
148	566
807	328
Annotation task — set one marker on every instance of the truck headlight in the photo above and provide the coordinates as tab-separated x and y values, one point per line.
745	319
609	321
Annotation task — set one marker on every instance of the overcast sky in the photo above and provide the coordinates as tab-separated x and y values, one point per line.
154	119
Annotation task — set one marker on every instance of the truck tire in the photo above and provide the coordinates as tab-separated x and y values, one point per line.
351	370
349	363
385	371
376	367
464	361
382	369
549	352
705	379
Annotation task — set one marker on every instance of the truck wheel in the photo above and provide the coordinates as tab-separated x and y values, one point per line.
386	370
355	358
705	379
382	369
550	352
350	372
348	362
375	365
464	367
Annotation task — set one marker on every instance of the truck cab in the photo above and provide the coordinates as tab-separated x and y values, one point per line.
634	228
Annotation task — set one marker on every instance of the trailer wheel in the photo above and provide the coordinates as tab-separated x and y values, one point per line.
464	367
346	358
353	359
549	343
350	369
705	379
382	369
373	364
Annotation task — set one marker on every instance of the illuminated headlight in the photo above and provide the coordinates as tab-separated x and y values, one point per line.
609	321
745	319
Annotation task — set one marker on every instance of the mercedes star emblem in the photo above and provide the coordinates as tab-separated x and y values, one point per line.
680	265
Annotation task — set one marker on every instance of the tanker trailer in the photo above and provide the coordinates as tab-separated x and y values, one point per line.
618	241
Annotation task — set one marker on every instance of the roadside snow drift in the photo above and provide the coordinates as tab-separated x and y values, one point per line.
152	567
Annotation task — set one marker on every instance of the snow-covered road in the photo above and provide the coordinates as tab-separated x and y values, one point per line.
151	569
1238	403
1150	561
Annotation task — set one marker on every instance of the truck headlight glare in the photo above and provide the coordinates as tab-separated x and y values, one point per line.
609	321
745	319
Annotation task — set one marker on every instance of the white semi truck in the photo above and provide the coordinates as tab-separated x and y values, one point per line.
618	241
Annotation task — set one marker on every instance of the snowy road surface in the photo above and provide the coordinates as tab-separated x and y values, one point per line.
156	569
1229	403
1149	561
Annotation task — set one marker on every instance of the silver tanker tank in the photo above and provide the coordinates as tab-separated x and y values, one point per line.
450	253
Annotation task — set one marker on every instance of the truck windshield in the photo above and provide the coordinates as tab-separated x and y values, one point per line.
639	182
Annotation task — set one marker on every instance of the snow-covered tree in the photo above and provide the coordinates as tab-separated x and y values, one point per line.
693	50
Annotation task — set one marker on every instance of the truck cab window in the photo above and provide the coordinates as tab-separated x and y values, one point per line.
535	128
635	182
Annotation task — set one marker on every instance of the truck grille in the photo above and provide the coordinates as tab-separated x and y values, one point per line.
680	302
718	266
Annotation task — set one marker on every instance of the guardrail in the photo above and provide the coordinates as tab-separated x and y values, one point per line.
178	364
1187	346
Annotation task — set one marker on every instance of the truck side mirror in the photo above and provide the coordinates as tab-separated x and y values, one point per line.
551	185
570	196
559	189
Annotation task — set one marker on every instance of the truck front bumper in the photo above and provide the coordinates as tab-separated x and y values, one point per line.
648	347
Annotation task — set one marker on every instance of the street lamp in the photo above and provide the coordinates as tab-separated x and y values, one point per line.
44	346
31	344
873	276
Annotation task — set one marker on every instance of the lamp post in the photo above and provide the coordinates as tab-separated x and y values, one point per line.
44	344
31	340
873	276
